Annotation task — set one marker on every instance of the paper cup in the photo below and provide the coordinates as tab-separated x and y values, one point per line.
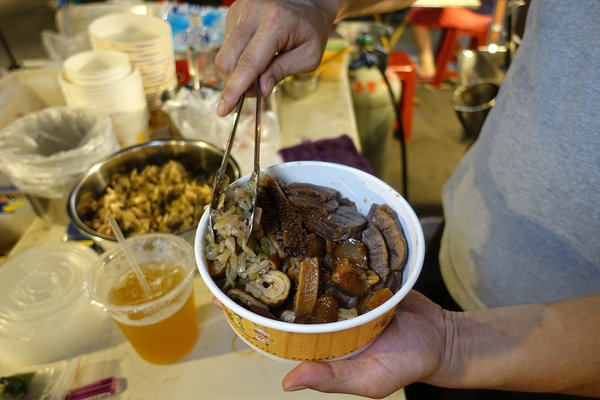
125	30
95	67
298	342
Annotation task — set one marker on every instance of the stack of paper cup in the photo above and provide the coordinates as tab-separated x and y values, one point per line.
105	80
148	42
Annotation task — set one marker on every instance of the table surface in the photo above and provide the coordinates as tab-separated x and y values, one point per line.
220	366
326	113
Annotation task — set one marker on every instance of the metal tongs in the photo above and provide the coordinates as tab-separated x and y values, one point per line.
221	182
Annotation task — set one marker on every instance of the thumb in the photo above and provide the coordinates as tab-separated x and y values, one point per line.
346	376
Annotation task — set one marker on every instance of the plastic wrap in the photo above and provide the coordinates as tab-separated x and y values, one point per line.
45	152
194	115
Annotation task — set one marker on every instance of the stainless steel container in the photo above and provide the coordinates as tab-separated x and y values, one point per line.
472	103
198	157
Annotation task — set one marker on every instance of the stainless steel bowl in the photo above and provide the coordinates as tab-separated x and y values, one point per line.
198	157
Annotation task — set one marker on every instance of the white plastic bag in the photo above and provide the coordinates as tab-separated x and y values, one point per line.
45	152
59	47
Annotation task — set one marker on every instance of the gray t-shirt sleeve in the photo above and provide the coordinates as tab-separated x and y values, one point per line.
522	209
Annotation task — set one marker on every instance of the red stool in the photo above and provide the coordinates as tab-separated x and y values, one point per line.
400	63
445	51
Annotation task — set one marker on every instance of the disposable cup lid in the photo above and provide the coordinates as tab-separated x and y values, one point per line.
43	283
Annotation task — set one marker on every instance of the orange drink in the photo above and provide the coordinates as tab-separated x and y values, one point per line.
161	324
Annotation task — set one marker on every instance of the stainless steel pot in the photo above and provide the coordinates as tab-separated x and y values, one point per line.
198	157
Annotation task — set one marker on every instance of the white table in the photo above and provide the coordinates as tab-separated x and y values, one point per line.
220	366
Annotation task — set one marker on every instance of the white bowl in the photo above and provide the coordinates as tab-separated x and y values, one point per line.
124	94
125	30
342	339
95	67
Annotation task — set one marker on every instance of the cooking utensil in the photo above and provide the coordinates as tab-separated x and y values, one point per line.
221	180
255	177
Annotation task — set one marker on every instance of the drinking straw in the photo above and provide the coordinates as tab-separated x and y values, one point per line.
132	261
107	385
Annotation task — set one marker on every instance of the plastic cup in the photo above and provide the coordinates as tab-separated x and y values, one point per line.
162	328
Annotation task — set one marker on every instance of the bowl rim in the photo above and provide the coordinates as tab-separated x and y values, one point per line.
72	206
97	29
417	255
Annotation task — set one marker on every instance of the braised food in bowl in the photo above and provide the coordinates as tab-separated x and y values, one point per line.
312	258
276	253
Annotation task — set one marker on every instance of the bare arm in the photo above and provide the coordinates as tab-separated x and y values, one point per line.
276	38
550	347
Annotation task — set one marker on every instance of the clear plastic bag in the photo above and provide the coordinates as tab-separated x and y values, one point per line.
194	115
59	47
45	152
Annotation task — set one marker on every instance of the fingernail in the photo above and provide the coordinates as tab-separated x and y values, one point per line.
221	108
295	388
270	85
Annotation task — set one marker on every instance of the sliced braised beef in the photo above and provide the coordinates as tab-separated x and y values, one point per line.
324	276
377	252
344	223
385	219
350	222
323	193
344	202
314	203
394	280
281	221
346	300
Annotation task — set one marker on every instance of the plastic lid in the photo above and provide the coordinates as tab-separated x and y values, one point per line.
43	283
